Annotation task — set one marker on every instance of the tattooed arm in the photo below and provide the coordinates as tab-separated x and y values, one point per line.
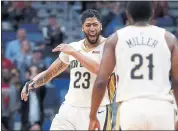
39	80
55	69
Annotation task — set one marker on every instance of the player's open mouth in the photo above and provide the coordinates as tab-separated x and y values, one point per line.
92	35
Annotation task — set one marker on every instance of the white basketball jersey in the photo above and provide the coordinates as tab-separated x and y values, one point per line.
143	63
81	79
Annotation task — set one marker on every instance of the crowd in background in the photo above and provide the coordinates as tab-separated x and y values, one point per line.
37	27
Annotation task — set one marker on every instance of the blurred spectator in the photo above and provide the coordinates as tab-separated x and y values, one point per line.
15	78
108	18
4	7
22	59
15	13
29	13
104	7
6	25
32	110
37	58
46	54
13	47
161	17
41	45
5	97
53	33
116	22
6	63
9	99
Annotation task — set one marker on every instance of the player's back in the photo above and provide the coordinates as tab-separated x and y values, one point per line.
142	63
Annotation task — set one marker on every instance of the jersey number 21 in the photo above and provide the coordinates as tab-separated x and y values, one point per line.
138	66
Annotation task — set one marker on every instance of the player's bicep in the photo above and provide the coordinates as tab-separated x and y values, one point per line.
57	67
108	59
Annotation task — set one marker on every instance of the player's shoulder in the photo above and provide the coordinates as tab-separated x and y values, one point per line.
76	43
103	41
171	40
124	28
159	28
169	35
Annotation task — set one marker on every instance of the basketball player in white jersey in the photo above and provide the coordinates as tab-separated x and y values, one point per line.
144	56
84	60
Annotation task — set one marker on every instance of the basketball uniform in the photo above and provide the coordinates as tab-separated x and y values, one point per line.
74	112
143	65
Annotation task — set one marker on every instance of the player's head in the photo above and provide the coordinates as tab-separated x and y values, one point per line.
138	11
91	25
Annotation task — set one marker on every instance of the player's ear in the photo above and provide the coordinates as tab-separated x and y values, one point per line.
82	29
101	27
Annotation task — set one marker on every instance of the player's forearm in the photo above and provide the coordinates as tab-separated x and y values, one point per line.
41	79
55	69
175	89
88	63
97	96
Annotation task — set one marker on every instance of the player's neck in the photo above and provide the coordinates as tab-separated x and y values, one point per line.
141	23
90	46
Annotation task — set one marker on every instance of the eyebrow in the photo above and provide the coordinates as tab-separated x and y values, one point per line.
92	23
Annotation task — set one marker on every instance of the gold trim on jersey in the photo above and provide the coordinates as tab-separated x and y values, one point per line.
84	48
118	126
111	87
108	119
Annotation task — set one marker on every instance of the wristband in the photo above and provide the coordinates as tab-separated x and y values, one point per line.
27	84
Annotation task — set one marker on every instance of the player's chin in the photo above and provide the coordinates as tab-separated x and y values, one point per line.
93	41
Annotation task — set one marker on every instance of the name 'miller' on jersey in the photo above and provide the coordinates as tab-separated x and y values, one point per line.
142	63
141	41
82	80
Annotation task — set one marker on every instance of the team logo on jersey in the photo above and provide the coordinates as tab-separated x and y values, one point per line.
95	52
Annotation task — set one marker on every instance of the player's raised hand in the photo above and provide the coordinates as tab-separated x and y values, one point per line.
64	48
25	91
94	124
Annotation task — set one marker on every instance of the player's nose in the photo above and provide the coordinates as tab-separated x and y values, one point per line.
92	28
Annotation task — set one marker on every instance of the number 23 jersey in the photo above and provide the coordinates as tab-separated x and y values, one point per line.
81	79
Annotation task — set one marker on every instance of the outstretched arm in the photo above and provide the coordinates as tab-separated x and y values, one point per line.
87	62
106	68
42	78
55	69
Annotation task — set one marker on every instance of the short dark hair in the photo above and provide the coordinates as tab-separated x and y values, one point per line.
89	13
140	10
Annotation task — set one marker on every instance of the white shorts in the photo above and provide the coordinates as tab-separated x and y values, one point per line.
145	114
77	118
